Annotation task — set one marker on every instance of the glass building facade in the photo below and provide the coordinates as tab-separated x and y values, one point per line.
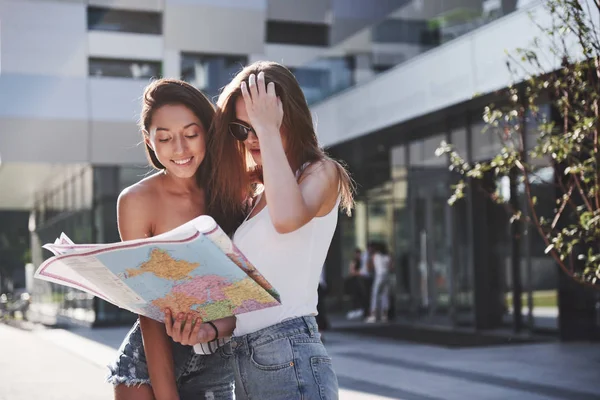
370	37
83	206
452	265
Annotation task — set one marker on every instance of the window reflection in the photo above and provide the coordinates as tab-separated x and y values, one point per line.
135	69
376	36
210	72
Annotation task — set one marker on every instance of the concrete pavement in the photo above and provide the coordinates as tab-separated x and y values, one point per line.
32	368
70	364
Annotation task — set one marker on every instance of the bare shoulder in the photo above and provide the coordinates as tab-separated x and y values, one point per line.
139	194
135	207
323	170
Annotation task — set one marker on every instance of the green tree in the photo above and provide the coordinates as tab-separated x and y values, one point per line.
567	140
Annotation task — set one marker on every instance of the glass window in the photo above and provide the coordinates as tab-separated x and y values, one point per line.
136	69
406	31
106	19
87	187
210	72
380	214
462	273
360	224
59	197
539	272
458	137
422	152
106	183
398	156
78	191
130	175
324	76
485	142
532	127
66	192
392	32
286	32
311	77
313	82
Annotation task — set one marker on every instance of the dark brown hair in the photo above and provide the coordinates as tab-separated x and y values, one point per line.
177	92
301	140
163	92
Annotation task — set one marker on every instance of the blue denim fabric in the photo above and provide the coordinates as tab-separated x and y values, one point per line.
286	361
198	376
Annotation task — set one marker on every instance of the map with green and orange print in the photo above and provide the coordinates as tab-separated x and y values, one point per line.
164	266
194	268
195	276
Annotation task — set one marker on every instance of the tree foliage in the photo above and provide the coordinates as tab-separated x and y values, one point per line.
560	67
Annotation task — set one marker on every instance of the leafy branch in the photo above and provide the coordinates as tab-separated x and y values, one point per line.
562	68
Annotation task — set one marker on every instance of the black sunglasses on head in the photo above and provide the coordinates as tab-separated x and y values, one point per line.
240	131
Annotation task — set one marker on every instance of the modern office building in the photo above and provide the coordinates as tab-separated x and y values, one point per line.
386	80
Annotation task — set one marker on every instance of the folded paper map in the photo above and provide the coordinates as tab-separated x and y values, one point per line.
193	268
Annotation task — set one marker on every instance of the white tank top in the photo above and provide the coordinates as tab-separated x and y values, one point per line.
291	262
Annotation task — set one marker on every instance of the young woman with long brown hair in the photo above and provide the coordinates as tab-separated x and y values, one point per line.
277	352
175	121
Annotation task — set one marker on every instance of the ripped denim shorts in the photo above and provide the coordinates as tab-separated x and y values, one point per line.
198	376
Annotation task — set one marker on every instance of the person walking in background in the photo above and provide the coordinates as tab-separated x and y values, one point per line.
366	275
381	284
355	286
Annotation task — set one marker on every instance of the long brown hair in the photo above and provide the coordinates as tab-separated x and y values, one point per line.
301	139
165	91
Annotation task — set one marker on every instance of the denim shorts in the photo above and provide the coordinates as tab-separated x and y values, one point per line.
285	361
198	376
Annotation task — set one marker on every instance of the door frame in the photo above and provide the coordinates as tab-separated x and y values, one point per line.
424	186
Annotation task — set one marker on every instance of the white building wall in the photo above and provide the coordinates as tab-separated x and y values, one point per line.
115	105
49	81
129	46
32	43
43	141
229	4
453	73
52	112
290	55
215	29
308	11
116	143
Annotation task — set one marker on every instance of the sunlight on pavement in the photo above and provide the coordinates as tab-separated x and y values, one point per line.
101	354
94	352
354	395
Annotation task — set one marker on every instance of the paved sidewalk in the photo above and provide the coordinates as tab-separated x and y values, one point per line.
70	365
409	371
34	369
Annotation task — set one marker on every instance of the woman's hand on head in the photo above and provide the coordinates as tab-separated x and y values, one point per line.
263	106
187	329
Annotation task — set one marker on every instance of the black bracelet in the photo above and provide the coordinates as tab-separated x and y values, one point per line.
215	328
